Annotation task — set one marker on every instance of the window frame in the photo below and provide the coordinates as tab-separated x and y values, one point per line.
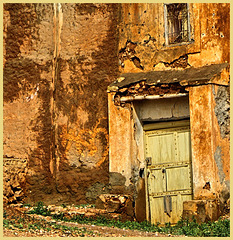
166	28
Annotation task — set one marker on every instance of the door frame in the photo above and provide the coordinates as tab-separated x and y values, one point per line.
154	127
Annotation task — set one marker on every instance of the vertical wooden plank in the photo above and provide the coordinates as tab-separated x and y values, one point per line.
184	146
147	195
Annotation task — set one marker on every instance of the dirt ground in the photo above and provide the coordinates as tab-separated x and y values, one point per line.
53	228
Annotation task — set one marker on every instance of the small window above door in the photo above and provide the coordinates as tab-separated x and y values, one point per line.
177	23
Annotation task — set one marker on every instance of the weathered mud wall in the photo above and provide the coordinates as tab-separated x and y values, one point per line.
142	41
58	61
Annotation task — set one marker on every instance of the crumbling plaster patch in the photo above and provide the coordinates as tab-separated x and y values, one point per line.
225	192
222	109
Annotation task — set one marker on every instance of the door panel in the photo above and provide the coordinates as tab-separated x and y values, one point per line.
157	209
168	172
161	152
178	178
156	181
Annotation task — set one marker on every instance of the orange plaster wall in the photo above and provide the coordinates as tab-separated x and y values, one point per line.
205	136
120	127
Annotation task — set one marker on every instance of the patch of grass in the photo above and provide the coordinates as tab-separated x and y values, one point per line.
40	209
32	224
19	226
8	224
220	228
103	221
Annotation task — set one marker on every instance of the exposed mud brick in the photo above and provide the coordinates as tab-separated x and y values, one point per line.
14	175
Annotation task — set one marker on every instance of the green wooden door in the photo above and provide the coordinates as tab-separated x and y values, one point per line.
168	173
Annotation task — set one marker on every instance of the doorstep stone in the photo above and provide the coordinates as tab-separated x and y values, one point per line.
201	210
113	202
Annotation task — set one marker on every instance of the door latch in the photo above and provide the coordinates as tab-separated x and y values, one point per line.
148	160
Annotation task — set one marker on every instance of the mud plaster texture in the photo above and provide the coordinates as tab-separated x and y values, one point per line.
56	72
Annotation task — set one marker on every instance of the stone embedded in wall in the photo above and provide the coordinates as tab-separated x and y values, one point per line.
117	184
181	62
116	179
95	190
143	88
